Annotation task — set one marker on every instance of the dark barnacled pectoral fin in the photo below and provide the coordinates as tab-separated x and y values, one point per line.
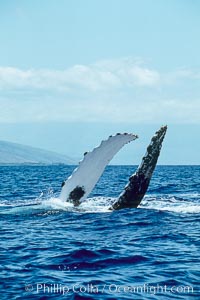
139	181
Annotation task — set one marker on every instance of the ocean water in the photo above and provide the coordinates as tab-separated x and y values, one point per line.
50	250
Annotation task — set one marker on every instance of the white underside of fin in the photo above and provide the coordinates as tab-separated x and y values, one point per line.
93	164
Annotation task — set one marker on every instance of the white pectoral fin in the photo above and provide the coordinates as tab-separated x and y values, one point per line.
80	184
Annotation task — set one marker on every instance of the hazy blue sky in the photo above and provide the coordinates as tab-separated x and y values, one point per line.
74	72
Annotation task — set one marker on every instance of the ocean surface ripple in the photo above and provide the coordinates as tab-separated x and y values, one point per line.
51	250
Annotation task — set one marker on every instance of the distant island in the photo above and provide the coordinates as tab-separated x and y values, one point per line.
13	153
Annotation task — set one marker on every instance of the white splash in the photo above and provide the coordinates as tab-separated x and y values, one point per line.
95	204
53	205
171	204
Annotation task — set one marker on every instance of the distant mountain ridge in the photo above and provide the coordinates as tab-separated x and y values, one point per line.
13	153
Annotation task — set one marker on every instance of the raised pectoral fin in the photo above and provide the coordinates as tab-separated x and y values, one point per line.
79	185
139	181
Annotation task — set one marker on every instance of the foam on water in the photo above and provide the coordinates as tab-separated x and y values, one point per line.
94	205
97	205
171	204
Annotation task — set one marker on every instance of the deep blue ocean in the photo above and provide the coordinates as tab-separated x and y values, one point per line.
49	250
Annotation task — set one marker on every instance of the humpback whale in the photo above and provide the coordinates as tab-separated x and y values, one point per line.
79	185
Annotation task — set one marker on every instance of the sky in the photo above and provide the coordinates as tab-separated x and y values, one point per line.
74	72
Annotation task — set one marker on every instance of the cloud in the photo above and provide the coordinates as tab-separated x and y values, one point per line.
123	90
95	77
101	110
131	72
